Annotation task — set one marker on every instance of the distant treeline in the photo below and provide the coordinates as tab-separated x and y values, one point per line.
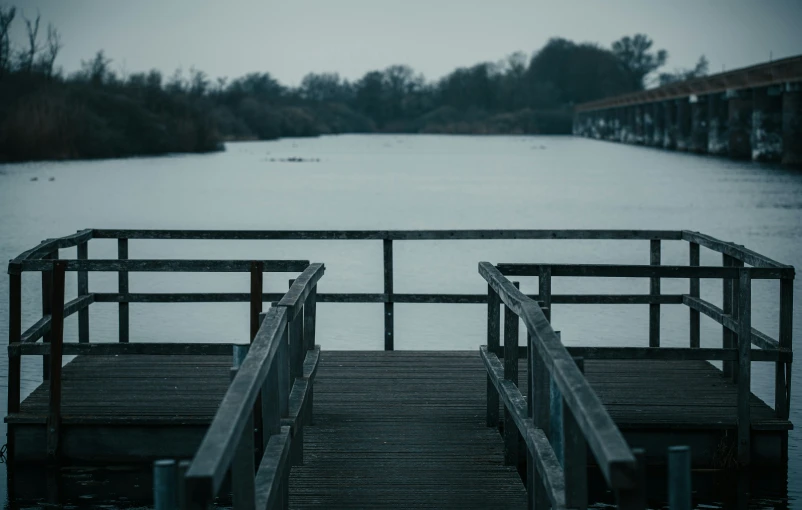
98	113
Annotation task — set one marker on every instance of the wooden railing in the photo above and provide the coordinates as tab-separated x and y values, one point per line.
281	365
50	327
556	477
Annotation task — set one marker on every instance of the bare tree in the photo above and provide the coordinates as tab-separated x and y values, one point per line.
54	45
6	17
29	56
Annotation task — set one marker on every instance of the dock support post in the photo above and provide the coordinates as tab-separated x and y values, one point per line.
493	345
782	370
257	287
744	361
511	433
83	290
679	478
47	304
56	344
695	340
654	290
574	456
165	491
122	254
243	465
389	343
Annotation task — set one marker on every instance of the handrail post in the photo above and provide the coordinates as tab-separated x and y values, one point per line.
726	307
297	353
389	342
310	316
736	305
539	402
511	433
14	333
47	309
654	290
257	286
782	370
695	340
56	343
544	290
243	465
744	362
165	490
679	478
493	345
122	279
83	290
574	456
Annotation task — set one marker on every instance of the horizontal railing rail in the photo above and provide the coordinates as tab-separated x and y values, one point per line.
270	394
564	480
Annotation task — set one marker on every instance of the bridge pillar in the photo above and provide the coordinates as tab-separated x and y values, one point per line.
792	124
718	138
658	121
670	124
618	126
683	122
647	122
628	117
699	129
767	123
638	124
740	123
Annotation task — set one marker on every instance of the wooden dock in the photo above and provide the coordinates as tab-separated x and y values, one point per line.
293	425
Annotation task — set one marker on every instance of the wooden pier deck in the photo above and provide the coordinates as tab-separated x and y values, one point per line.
282	423
392	429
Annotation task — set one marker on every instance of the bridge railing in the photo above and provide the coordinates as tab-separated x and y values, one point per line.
556	477
280	365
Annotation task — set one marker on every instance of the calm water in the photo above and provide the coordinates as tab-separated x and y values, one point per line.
412	182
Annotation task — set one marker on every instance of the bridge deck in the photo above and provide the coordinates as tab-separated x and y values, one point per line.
392	429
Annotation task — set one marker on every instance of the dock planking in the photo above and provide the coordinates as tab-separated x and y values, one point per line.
392	429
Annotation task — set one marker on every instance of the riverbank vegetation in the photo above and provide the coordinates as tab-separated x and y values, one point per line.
98	113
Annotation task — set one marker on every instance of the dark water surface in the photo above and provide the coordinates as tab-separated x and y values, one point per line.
416	182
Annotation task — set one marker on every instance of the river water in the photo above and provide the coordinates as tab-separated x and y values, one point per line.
413	182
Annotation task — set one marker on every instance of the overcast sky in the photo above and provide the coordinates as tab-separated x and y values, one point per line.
289	38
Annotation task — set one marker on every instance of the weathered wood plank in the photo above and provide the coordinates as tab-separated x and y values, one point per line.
300	289
654	290
83	290
215	453
127	349
387	234
271	471
695	324
641	271
731	250
56	342
168	265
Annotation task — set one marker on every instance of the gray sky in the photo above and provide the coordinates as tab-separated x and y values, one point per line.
289	38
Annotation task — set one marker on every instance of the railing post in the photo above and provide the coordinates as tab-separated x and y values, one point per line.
493	345
635	498
744	362
297	353
544	290
183	466
122	277
389	343
695	340
14	333
56	343
726	307
257	286
310	316
556	416
782	370
83	290
679	478
574	456
47	304
165	489
654	290
539	402
243	467
736	305
511	442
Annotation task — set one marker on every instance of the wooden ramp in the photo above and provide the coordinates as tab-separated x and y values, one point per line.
403	430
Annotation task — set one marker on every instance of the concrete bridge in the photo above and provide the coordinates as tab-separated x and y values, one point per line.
749	113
